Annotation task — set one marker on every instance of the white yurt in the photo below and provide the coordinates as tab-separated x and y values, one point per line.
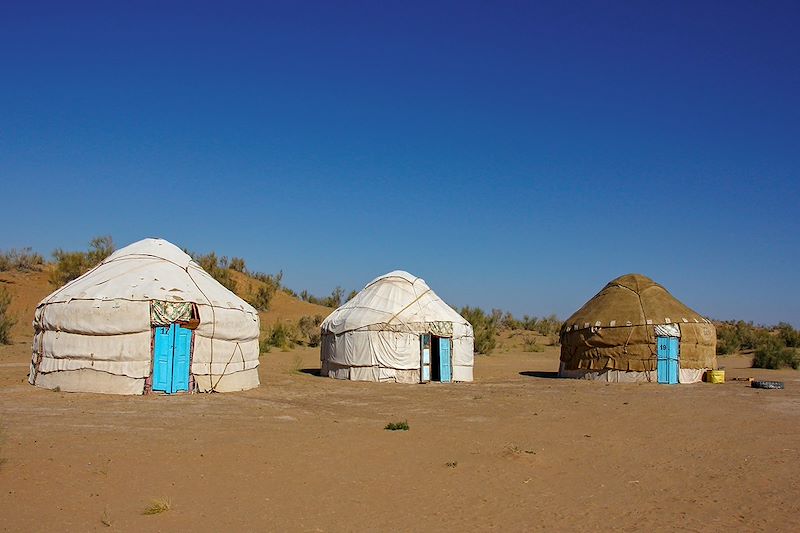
146	319
397	329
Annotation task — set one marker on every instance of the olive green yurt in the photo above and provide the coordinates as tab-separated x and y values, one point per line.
635	330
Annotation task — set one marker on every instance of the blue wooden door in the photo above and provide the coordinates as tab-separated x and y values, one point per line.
162	359
445	370
667	360
180	358
171	354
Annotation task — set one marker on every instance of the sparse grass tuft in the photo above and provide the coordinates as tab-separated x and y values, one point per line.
397	426
105	518
529	344
451	464
161	505
297	364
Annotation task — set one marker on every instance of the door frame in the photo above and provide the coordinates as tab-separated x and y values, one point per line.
173	330
668	353
426	365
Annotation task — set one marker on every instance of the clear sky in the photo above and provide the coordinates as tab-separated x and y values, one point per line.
516	155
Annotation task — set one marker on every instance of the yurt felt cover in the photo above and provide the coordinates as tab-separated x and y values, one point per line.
615	329
101	321
394	308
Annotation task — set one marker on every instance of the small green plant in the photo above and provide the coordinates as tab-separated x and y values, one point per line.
281	336
158	506
397	426
6	321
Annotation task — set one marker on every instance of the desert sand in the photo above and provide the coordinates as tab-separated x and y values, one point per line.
517	450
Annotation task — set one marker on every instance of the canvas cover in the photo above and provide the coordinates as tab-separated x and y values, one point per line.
379	330
616	329
101	323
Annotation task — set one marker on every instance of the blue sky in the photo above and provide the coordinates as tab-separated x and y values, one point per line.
516	155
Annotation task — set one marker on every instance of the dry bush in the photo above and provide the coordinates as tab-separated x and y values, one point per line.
70	265
6	321
23	260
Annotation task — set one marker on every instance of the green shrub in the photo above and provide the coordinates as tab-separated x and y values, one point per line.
281	336
484	327
334	300
70	265
773	354
262	297
237	264
529	344
789	335
397	426
727	341
217	268
6	321
308	328
99	249
23	260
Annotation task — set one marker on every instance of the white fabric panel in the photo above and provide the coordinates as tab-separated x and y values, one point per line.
131	369
464	352
227	324
462	373
130	347
691	375
94	317
87	380
361	373
667	330
237	381
228	356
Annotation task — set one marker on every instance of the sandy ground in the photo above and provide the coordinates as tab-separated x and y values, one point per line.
515	451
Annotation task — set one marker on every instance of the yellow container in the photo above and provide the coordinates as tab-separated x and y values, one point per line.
715	376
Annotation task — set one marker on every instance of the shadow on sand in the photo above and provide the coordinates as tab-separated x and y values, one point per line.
310	371
540	374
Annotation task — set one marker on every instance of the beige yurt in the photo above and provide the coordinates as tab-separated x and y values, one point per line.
146	319
635	330
397	329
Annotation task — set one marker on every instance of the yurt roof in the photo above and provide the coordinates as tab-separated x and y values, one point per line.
394	298
150	269
631	300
